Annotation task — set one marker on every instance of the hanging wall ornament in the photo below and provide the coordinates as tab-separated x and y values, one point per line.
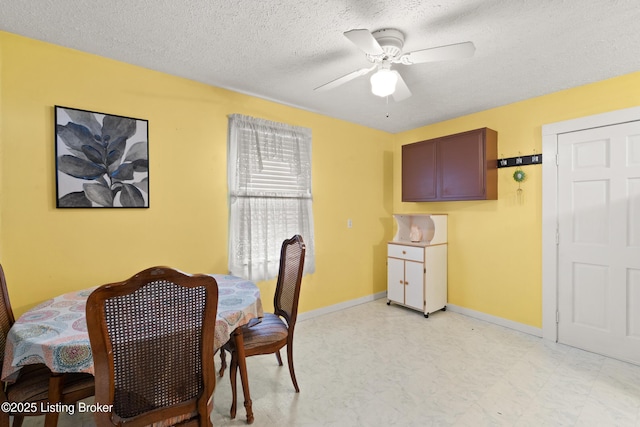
519	176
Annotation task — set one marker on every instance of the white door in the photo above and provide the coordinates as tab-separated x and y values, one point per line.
395	280
599	240
414	278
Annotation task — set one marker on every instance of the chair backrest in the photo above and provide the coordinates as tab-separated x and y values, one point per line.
6	314
152	343
289	279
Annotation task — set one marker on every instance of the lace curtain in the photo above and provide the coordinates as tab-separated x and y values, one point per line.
269	176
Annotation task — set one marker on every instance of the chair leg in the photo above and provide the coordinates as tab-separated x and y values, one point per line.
5	421
56	383
17	420
291	370
241	362
278	357
233	374
223	362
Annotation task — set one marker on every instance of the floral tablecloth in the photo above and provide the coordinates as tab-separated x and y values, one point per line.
55	332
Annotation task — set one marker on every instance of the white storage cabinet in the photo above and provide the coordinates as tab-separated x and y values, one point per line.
417	263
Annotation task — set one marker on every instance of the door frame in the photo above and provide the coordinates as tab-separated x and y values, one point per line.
550	134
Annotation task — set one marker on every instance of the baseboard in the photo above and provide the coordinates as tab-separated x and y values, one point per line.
340	306
521	327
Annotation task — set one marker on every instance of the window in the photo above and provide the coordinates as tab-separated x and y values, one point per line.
269	176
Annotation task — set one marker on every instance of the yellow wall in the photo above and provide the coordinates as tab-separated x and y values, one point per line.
495	247
47	251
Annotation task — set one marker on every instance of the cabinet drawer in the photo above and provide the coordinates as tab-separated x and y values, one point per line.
412	253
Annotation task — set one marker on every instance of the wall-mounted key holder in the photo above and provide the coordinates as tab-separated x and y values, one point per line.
530	159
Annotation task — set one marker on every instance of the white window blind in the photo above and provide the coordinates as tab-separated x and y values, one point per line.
269	175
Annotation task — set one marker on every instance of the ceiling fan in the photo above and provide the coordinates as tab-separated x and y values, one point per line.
384	48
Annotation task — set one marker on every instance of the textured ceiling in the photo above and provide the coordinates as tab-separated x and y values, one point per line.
282	49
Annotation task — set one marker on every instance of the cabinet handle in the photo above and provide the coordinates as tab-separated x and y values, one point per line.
404	252
401	282
406	283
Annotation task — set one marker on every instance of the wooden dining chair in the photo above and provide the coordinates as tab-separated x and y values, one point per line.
152	343
31	388
275	330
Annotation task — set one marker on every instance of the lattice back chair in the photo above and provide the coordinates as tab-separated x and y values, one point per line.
272	333
32	384
152	343
6	313
285	299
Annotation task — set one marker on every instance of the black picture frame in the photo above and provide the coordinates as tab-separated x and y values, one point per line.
102	160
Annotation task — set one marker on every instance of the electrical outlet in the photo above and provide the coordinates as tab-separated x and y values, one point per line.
349	223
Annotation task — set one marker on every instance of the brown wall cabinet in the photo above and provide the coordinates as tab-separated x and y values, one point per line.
453	167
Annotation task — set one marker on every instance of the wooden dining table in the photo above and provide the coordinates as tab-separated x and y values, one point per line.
55	333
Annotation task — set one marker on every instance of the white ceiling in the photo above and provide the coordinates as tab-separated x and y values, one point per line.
282	49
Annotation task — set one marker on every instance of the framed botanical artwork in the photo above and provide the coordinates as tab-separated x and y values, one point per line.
102	160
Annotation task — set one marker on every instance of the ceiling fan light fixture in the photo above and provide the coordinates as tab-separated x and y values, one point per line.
383	82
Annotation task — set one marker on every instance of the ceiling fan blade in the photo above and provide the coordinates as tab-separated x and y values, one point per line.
347	77
365	41
441	53
402	91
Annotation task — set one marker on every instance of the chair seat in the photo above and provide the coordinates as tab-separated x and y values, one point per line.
270	330
33	384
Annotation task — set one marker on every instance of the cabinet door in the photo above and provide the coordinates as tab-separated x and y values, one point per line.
454	167
395	280
461	166
414	288
419	171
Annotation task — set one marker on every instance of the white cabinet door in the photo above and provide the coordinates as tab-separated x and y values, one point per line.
414	288
395	280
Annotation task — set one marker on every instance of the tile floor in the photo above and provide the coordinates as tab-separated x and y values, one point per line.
374	365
